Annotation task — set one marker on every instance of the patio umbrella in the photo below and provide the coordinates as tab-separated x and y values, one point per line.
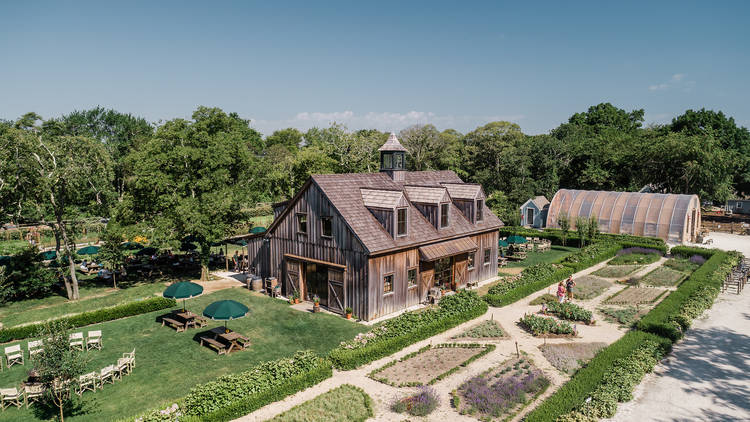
132	245
49	255
183	290
146	251
256	230
89	250
502	244
224	310
516	239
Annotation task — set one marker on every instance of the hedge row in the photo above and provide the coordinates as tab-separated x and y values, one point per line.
637	244
688	251
235	395
591	255
574	393
408	328
93	317
673	315
532	279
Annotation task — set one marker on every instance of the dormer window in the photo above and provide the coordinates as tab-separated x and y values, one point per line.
401	221
444	208
480	209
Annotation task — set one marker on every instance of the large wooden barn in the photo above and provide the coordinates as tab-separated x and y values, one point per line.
377	242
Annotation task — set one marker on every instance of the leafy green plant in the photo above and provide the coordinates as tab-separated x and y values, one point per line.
485	329
346	402
545	298
570	311
591	255
532	279
538	325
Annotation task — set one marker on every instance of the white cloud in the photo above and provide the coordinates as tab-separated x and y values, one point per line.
335	116
677	81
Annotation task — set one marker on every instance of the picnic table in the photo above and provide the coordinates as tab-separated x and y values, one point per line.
183	320
232	339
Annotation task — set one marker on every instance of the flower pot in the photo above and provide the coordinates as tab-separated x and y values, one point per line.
348	316
316	307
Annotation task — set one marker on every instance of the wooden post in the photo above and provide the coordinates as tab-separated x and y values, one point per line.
518	354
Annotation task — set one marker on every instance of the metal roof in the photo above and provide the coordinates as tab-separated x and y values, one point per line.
447	248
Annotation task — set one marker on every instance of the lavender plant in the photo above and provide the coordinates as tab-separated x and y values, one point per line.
420	404
494	397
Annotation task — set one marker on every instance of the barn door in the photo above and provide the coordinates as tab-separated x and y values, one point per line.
425	283
292	277
336	291
459	274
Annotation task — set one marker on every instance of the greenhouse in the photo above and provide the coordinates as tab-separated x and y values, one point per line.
674	218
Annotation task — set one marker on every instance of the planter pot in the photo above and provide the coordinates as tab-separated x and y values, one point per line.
348	316
316	308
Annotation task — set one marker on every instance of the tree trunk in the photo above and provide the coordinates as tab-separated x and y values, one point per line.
69	252
205	255
60	406
114	278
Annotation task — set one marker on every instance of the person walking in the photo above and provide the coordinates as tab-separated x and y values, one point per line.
236	261
569	285
560	292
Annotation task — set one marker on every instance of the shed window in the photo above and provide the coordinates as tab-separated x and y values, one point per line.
302	223
327	226
387	161
739	204
411	276
444	215
398	161
388	284
487	256
471	261
401	222
480	210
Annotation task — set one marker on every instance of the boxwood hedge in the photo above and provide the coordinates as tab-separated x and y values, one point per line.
532	279
93	317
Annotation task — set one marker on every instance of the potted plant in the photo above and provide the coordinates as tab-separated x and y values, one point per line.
348	311
296	297
316	303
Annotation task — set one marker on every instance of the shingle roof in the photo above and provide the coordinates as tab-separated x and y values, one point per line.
392	144
345	193
540	202
464	190
378	198
427	194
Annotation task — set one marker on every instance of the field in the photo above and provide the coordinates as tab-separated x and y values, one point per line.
635	296
426	365
663	276
169	363
556	253
342	404
568	357
588	287
616	271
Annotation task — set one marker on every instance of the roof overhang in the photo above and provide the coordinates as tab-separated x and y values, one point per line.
447	248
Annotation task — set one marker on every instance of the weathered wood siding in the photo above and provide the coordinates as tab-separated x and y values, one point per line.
430	212
481	271
384	217
402	295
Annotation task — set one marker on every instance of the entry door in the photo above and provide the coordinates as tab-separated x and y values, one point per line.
336	291
316	282
292	276
529	216
462	264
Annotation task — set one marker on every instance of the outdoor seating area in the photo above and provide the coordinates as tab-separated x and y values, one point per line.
16	355
516	248
739	276
224	340
182	320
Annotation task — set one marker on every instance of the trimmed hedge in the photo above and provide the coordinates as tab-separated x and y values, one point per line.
574	393
532	279
591	255
688	251
93	317
408	328
636	244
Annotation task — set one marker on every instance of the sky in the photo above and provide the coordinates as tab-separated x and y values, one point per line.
383	65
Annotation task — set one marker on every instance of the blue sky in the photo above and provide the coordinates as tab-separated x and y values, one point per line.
383	65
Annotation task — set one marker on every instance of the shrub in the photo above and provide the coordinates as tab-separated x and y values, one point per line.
408	328
420	404
486	329
24	277
94	317
688	251
574	392
590	255
570	311
538	325
491	397
531	280
344	403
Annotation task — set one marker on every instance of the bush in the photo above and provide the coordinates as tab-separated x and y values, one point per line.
574	392
24	277
689	251
408	328
532	279
591	255
639	243
570	311
538	325
94	317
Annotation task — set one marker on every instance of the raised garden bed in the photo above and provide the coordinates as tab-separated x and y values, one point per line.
548	327
568	357
502	391
663	276
589	287
616	271
635	296
342	404
685	265
430	364
638	256
625	316
420	404
569	311
486	330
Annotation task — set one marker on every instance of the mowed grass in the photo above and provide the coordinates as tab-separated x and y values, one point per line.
346	403
168	364
556	253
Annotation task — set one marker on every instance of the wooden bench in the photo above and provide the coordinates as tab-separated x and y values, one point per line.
220	348
177	325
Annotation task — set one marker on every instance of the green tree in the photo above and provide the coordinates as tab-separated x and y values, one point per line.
593	228
422	143
582	229
503	208
25	277
289	138
564	223
111	251
190	181
58	365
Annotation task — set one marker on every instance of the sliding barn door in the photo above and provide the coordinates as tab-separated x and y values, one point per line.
292	277
336	291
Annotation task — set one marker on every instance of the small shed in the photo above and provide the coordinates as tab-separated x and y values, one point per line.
534	212
739	206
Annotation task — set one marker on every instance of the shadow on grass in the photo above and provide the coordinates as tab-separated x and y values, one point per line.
74	406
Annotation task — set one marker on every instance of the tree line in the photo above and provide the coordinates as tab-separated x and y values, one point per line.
197	178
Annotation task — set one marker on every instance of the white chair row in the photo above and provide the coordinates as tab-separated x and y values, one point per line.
15	397
92	341
14	354
108	374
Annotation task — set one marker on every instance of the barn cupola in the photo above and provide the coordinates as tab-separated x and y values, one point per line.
392	158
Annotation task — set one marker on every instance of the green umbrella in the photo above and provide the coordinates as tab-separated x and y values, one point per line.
5	260
49	255
516	239
224	310
256	230
132	245
183	290
502	244
89	250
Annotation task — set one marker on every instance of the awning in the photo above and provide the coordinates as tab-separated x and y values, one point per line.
447	248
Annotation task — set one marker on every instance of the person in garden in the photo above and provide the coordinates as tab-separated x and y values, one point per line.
236	260
569	285
561	292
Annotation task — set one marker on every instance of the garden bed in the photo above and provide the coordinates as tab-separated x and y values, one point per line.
502	391
568	357
486	330
625	316
589	287
636	255
429	364
616	271
547	327
343	404
663	277
635	296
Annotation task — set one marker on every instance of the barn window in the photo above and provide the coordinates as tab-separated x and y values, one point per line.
302	223
327	226
739	205
471	261
411	276
480	210
401	222
444	215
487	256
387	161
388	284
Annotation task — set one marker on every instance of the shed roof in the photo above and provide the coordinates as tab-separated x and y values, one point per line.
540	202
447	248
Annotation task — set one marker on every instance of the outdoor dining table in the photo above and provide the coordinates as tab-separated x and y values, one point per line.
189	318
232	338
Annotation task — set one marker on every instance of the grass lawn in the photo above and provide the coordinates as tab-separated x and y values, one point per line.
12	247
555	254
343	404
168	364
616	271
